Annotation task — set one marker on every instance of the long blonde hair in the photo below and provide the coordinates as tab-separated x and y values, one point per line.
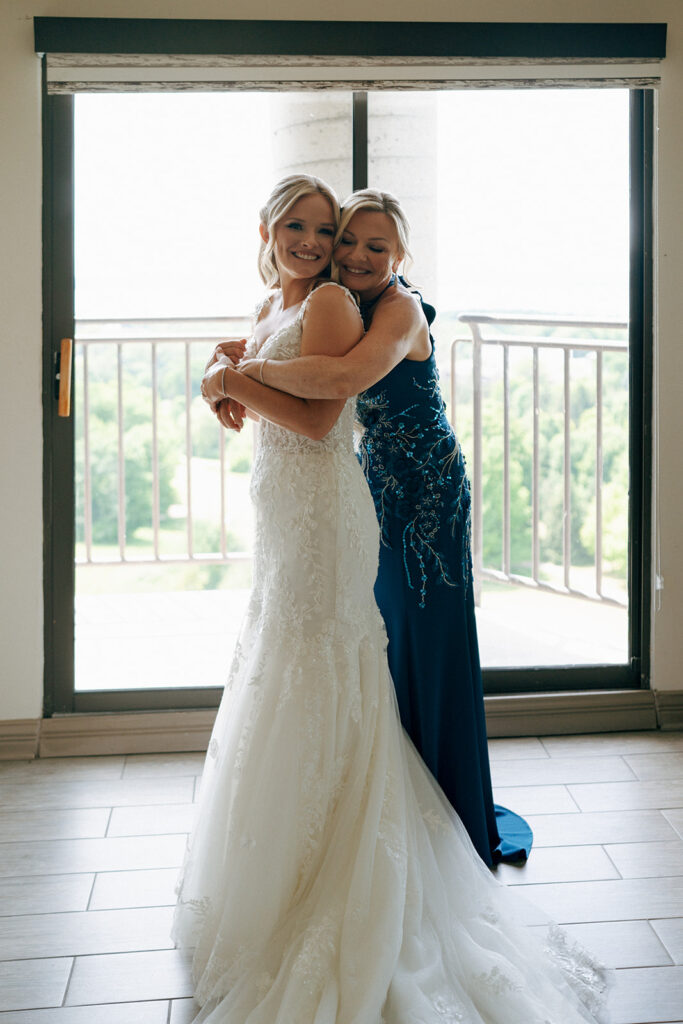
286	193
380	202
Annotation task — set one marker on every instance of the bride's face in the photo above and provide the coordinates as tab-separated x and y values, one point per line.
303	238
368	253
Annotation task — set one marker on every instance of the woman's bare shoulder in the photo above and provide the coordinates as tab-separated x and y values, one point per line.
400	302
332	293
331	299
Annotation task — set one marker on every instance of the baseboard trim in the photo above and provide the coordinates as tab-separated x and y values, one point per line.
669	704
535	714
571	712
19	739
130	732
126	733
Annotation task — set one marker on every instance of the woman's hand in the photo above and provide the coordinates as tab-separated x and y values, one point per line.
215	388
231	414
234	350
213	385
252	368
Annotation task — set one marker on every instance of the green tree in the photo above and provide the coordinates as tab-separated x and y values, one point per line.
551	465
137	449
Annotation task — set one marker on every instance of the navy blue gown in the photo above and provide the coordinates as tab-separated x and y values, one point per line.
416	472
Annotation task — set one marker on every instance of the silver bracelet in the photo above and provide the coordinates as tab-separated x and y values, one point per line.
223	381
261	369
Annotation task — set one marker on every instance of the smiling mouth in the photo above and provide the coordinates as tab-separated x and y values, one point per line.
353	270
305	256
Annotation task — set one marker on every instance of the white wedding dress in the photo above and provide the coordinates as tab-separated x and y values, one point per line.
327	880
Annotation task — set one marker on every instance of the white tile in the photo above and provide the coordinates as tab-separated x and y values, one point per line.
45	792
599	827
554	864
103	931
85	855
628	796
648	860
121	889
647	995
62	768
162	819
560	770
656	766
151	765
112	1013
505	749
622	944
25	984
619	944
610	900
129	977
49	894
183	1011
67	823
671	934
536	799
675	819
648	741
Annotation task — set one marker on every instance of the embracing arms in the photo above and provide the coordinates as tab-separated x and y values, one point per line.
331	327
396	324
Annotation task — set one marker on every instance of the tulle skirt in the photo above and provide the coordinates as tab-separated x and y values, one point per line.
328	880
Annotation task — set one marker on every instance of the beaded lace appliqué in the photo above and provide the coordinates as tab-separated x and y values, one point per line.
416	472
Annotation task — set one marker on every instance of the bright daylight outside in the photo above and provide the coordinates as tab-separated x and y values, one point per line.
519	206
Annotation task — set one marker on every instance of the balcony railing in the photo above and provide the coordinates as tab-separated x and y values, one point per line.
195	337
507	333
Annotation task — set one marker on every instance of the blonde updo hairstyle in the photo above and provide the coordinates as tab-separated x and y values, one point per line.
379	202
286	193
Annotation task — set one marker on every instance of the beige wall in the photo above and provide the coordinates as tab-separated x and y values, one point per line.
21	623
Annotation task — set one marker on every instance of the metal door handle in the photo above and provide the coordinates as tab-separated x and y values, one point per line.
63	375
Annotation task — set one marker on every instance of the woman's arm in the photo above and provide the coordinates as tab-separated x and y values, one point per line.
331	327
297	414
390	338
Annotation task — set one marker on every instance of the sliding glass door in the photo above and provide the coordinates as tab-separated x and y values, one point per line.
522	221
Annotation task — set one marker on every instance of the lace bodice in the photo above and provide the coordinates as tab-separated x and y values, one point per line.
286	344
313	510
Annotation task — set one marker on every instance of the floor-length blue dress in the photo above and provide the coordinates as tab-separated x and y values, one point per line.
416	472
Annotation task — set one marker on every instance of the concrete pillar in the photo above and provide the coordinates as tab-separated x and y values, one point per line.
312	134
402	145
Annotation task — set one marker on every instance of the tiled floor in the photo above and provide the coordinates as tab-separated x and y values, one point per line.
89	851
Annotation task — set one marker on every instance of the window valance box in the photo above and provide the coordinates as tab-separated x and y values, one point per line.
143	54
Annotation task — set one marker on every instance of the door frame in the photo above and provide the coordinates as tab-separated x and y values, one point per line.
58	433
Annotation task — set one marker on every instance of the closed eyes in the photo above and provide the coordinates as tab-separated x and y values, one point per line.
372	248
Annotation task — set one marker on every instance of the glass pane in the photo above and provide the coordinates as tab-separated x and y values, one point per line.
518	201
168	189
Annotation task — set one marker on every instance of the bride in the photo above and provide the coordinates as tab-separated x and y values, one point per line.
327	880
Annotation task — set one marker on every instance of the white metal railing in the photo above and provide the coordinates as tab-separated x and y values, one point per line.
481	338
206	332
122	334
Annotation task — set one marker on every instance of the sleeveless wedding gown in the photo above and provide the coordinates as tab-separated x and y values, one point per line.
327	880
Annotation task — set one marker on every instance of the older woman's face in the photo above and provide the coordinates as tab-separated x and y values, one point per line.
368	253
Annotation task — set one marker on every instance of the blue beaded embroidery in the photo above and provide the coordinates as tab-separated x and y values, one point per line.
416	472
